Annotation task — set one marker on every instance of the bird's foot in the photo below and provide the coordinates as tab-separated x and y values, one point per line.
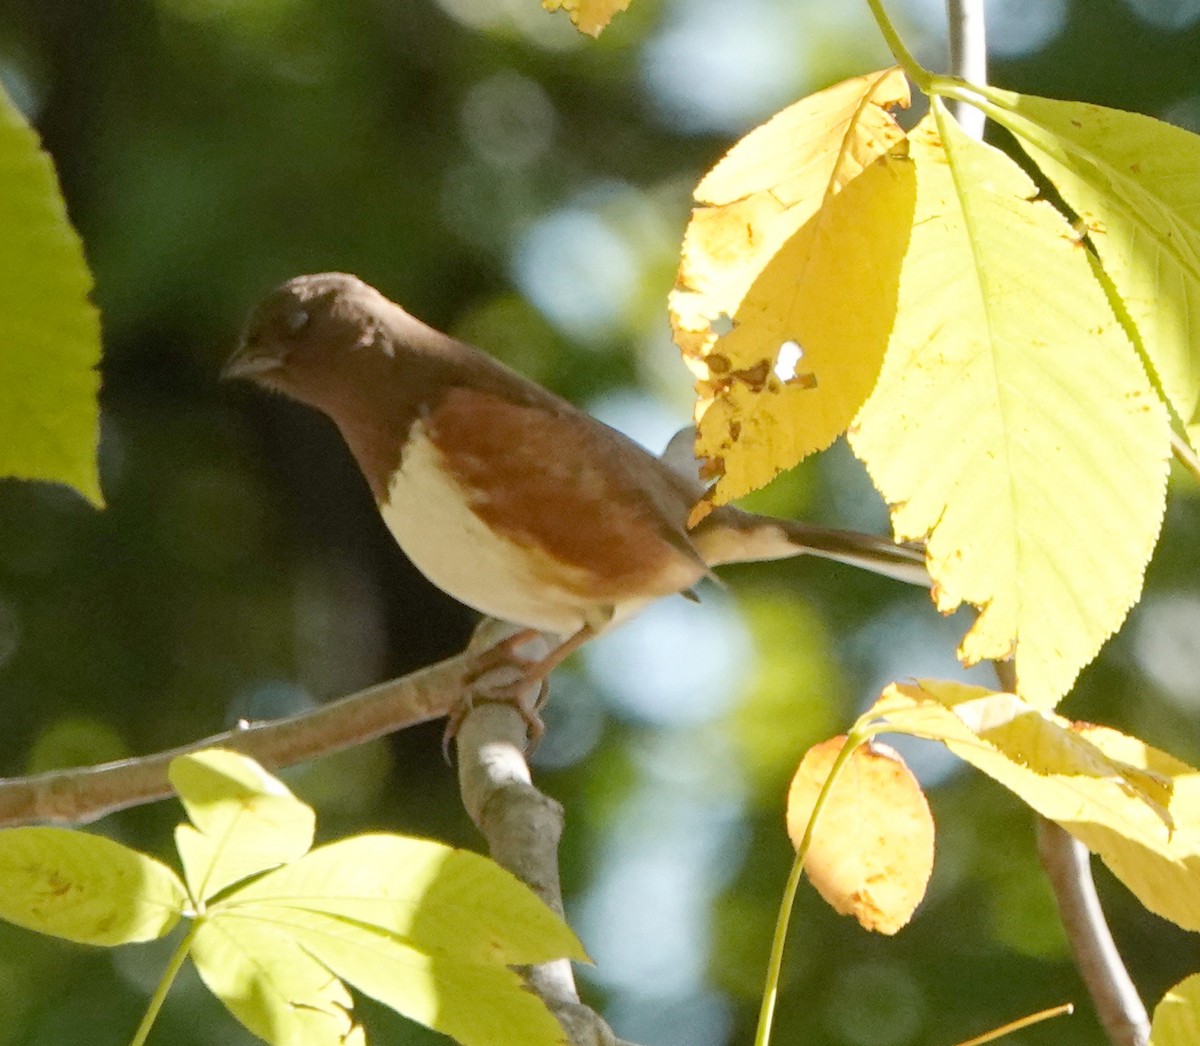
513	680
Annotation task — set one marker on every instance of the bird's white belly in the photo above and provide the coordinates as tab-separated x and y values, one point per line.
429	515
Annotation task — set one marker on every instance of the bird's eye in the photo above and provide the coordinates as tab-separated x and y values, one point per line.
295	320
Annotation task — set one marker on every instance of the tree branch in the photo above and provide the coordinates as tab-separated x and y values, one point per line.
522	827
1068	867
83	794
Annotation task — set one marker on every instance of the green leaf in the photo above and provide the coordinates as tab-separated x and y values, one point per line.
245	820
1177	1016
420	926
85	888
272	985
49	331
1013	424
475	1003
1135	182
436	897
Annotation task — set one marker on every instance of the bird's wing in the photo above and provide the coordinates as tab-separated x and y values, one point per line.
546	474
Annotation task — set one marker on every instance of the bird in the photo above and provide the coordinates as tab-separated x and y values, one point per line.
503	494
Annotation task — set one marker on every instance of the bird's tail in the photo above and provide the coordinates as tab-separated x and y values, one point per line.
729	535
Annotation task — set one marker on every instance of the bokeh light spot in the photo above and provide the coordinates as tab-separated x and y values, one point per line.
677	662
698	88
508	119
1166	645
1172	15
578	271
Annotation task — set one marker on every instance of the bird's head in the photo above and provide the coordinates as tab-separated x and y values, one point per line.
307	332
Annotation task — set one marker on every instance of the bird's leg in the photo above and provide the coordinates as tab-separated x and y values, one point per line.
503	655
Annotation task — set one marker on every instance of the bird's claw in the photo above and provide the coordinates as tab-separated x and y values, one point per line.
503	657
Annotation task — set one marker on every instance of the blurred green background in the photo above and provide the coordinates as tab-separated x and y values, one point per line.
527	189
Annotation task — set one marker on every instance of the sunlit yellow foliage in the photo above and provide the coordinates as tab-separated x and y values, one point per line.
1133	805
798	241
1177	1016
1135	183
588	16
1013	425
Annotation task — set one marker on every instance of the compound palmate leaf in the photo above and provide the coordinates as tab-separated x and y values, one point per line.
85	888
426	929
1013	424
49	331
1138	808
797	240
1134	182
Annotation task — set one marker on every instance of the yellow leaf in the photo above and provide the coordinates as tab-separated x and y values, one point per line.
871	854
1133	805
1013	425
798	241
1177	1016
588	16
1135	183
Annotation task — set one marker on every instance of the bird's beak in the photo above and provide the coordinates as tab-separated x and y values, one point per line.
245	363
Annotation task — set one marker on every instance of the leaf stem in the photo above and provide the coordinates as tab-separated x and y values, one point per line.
164	985
917	73
766	1012
1185	455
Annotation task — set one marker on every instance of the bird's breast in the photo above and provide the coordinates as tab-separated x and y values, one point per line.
429	513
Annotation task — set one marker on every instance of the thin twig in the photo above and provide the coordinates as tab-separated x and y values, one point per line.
84	794
1069	871
1064	859
1185	455
1068	867
968	57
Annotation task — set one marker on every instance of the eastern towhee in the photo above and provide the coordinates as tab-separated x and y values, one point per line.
505	496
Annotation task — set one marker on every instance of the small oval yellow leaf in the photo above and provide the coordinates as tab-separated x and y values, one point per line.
871	853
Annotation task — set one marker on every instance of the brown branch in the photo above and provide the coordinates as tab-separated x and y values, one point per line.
1068	867
84	794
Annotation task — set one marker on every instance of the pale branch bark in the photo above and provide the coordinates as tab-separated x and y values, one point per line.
522	827
968	57
1068	867
83	794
